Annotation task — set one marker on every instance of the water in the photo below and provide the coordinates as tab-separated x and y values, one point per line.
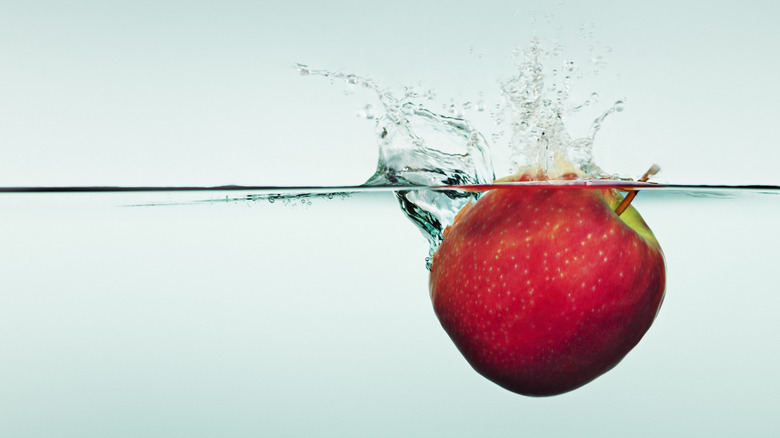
126	304
210	318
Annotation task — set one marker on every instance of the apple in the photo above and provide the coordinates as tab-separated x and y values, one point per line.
543	289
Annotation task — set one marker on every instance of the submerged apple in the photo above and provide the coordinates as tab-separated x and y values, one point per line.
545	289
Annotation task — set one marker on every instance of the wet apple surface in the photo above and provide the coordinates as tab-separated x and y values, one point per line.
545	289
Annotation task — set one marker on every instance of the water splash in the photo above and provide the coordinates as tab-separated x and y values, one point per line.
422	148
533	116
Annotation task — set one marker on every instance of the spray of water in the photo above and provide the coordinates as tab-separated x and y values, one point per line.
419	147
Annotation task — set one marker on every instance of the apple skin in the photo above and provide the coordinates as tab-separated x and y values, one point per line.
544	289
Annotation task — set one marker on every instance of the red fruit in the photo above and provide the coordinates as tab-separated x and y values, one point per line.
544	289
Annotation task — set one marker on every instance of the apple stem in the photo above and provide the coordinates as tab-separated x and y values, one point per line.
632	194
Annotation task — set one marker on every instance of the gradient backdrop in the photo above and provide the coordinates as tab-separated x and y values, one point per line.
253	319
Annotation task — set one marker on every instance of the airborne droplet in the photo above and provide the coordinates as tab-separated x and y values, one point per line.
304	70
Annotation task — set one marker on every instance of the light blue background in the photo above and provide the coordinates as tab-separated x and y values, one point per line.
260	319
145	92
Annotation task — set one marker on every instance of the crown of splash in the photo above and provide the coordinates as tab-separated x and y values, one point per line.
537	133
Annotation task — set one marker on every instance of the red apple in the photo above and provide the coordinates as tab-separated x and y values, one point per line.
544	289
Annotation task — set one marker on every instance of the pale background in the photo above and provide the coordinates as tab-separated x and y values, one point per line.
244	319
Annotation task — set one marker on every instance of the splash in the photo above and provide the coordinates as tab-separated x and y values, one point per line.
421	148
418	147
535	115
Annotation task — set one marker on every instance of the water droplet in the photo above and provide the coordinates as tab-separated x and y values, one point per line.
304	70
351	79
367	112
480	105
594	96
619	105
455	110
